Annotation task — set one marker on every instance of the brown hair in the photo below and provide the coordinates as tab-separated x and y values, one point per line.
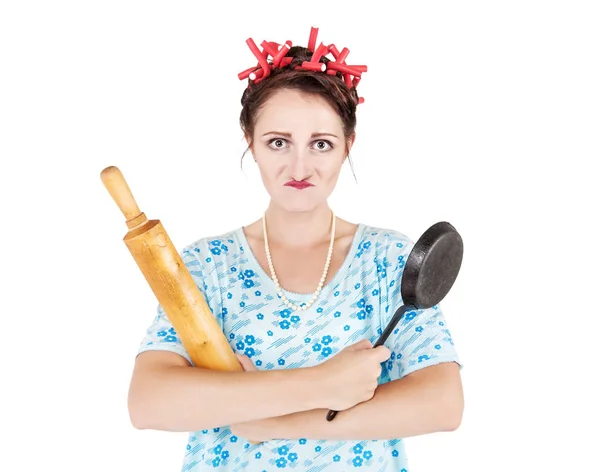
331	87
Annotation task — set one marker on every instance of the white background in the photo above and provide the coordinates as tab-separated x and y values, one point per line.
484	114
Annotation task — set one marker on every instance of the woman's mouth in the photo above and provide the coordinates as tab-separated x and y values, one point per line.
300	185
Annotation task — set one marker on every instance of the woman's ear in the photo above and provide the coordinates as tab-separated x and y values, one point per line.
350	143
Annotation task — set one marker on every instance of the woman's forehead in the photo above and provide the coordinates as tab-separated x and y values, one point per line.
293	111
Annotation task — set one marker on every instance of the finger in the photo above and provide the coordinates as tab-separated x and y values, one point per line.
382	353
247	364
363	344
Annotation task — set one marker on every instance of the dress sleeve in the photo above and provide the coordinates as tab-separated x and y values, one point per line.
161	335
421	338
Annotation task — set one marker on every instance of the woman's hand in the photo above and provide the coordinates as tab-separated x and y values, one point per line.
350	377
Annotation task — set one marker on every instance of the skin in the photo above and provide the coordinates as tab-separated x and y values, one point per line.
263	405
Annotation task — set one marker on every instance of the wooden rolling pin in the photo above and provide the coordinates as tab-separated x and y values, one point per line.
171	281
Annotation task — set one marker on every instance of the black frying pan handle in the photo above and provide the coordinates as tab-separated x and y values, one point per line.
388	330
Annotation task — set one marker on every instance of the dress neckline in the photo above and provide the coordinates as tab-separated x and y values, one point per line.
303	296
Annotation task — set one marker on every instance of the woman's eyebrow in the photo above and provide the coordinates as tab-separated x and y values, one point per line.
289	135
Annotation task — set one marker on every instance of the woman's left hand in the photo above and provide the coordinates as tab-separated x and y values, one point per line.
256	430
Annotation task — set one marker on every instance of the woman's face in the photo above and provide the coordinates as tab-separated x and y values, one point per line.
299	138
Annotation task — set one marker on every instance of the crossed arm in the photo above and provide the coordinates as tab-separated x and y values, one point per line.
426	401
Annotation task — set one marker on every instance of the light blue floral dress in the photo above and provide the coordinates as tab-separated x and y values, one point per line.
356	304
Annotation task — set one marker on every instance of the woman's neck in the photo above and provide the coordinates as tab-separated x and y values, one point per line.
298	229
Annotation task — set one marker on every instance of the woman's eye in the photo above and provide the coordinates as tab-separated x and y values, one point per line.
277	143
323	145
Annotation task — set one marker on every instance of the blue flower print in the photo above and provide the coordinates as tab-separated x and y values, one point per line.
285	313
283	450
249	273
347	328
424	357
437	346
295	319
399	245
172	331
224	311
357	449
307	340
319	310
318	449
395	453
170	339
248	283
231	336
249	339
258	363
240	345
161	333
224	455
361	303
326	351
369	308
292	457
215	250
367	455
208	259
411	315
441	323
302	441
281	361
250	351
285	324
258	455
336	458
326	340
356	286
257	293
361	315
215	242
260	316
317	347
357	461
233	438
336	293
337	314
270	333
232	269
418	329
375	292
242	304
229	295
216	461
401	261
281	463
218	449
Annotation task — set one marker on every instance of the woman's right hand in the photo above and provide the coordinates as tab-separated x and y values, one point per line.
350	377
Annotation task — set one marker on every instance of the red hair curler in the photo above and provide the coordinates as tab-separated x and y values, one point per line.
269	48
280	55
314	66
261	59
319	53
334	51
312	39
244	75
286	61
357	72
343	55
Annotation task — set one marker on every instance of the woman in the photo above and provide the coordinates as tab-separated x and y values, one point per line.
301	294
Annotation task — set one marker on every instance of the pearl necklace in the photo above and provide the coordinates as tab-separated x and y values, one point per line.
286	301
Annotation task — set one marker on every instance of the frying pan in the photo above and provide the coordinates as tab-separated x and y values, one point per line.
430	271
